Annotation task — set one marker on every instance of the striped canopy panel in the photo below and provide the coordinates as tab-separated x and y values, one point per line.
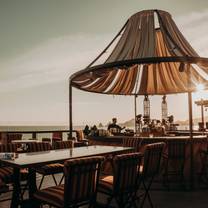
151	56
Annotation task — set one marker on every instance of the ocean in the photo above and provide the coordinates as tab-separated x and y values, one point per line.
39	128
54	128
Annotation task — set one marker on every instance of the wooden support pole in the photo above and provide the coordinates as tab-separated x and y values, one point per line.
202	113
135	112
70	111
191	140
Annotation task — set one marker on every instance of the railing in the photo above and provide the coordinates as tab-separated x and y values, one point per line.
4	135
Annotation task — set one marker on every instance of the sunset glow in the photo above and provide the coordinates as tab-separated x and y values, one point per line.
42	45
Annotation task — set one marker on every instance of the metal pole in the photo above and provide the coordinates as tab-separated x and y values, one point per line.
70	111
202	112
191	140
135	112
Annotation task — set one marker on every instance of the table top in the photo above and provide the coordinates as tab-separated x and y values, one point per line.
176	137
26	160
25	141
158	137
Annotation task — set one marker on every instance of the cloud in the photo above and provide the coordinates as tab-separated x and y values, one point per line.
52	61
56	59
194	26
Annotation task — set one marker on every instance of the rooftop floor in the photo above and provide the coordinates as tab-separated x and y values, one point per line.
161	197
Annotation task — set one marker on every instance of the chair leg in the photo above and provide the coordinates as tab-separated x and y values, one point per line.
109	200
119	201
133	199
147	195
165	176
41	181
203	173
54	179
93	203
62	178
182	180
24	189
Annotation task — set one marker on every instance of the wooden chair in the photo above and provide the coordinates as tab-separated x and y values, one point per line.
46	140
6	173
56	136
150	168
81	138
63	144
132	142
13	136
122	186
80	187
3	189
203	175
45	170
176	150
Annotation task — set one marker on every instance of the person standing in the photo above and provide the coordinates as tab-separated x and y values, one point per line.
113	127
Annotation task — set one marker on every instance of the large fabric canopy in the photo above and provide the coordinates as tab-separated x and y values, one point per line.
151	56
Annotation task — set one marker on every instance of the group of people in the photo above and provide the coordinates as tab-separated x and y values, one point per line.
156	126
93	130
112	128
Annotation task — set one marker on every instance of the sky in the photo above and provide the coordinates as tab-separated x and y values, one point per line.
43	42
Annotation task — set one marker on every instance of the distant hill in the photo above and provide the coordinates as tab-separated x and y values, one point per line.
195	121
128	123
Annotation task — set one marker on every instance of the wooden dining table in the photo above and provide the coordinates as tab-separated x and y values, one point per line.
35	159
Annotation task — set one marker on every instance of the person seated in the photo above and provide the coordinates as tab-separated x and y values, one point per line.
146	127
94	131
86	130
115	128
160	128
165	125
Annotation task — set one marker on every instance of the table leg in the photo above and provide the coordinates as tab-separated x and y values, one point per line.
16	188
32	183
32	188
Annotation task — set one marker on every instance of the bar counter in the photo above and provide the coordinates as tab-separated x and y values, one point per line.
199	144
118	140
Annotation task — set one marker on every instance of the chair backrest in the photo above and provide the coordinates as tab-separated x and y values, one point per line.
46	140
63	144
8	147
57	135
39	146
81	180
80	135
134	142
125	171
176	148
152	157
13	136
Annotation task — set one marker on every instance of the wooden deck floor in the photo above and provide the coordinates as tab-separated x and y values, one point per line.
161	198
